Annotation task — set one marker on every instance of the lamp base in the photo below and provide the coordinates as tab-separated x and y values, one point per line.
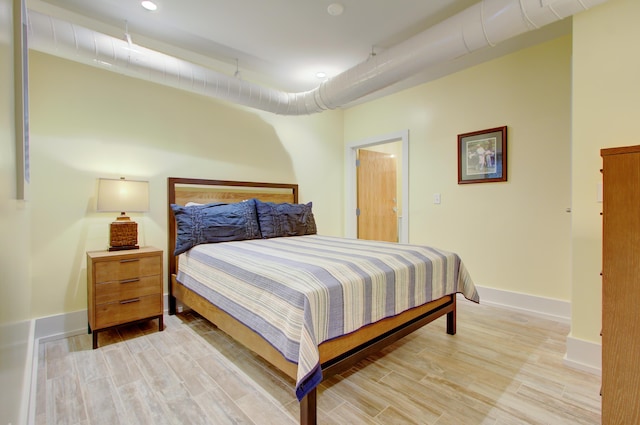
123	234
123	248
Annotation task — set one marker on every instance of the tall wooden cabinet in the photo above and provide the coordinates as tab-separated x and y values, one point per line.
621	286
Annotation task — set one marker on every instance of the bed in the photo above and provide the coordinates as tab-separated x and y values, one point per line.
311	305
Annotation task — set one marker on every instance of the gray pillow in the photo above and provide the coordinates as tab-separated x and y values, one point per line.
285	219
211	223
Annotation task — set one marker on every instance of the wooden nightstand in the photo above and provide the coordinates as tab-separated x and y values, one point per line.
123	287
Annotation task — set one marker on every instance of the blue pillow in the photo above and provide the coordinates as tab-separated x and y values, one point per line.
285	219
216	222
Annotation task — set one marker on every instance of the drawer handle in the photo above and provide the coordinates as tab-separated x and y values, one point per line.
130	280
130	260
133	300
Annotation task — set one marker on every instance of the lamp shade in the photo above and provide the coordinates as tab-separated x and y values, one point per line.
123	195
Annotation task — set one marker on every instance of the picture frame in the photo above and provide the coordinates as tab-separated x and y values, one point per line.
482	156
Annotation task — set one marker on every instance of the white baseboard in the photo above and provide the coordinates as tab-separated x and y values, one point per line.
548	308
30	376
33	384
584	355
580	354
45	329
67	324
75	323
16	374
61	325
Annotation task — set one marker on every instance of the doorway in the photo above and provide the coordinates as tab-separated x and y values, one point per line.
376	188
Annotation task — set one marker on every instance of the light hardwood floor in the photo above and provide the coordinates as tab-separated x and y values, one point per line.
502	367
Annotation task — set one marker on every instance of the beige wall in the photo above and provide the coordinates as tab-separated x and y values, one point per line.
89	123
513	236
15	287
606	109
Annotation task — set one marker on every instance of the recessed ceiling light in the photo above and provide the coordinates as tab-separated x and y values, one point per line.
321	74
335	9
149	5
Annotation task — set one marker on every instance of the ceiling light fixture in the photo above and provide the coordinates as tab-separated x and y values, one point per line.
149	5
321	74
335	9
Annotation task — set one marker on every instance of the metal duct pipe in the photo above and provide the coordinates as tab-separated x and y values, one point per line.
486	23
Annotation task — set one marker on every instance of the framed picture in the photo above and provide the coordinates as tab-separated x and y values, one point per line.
482	156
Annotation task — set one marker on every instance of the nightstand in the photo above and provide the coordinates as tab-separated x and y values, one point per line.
123	287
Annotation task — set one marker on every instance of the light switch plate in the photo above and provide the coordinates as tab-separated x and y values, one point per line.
599	195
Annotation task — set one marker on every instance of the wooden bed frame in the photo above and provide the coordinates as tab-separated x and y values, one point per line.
336	355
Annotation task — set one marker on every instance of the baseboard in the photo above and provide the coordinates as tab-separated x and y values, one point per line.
33	378
67	324
580	354
584	355
30	375
61	325
74	323
46	329
548	308
16	355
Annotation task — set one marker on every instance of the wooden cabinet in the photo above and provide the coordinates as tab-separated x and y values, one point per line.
123	287
621	286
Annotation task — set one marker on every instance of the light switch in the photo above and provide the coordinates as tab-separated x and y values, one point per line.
599	195
436	198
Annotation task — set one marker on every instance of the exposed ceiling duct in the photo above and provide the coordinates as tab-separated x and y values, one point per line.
484	24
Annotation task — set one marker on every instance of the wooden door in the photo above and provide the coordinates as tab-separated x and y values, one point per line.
377	196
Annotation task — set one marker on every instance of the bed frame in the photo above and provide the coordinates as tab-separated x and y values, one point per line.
336	355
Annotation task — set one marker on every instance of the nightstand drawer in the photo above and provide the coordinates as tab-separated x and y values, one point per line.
127	289
128	268
124	311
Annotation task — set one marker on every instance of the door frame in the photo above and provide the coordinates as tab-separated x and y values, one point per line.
351	222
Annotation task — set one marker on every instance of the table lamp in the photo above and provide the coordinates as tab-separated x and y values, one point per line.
120	195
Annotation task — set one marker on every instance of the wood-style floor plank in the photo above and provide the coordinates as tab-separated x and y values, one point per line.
502	367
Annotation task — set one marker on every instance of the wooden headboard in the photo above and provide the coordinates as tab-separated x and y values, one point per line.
183	190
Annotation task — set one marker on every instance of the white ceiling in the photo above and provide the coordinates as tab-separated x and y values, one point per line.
281	43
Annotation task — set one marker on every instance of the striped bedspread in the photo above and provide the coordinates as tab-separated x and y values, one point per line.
298	292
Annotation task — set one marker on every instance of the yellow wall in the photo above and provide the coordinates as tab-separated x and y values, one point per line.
15	287
89	123
512	235
606	109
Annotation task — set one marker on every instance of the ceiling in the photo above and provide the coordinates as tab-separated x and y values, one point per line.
281	43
